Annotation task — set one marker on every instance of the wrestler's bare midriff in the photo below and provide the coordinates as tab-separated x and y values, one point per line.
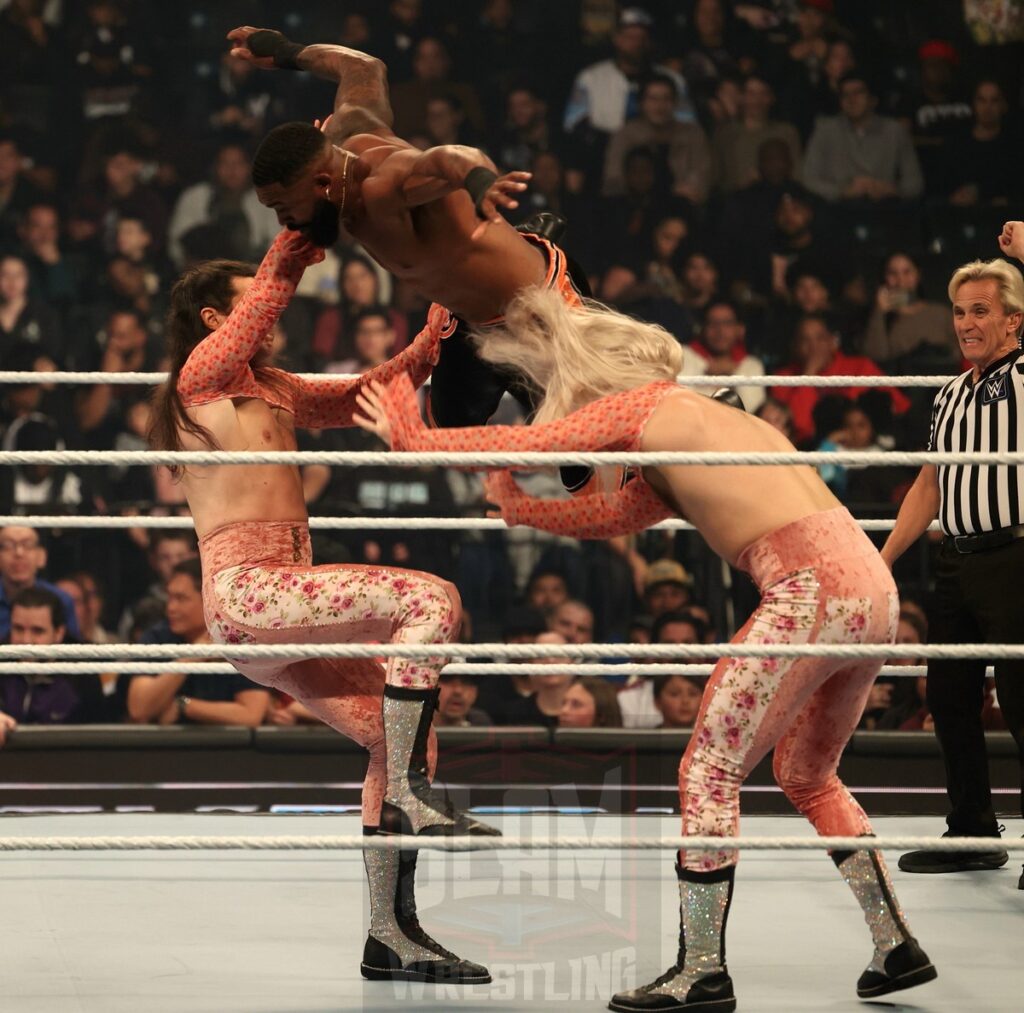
732	505
226	493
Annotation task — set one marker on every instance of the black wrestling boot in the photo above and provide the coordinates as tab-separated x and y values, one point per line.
411	806
898	961
936	862
904	967
397	948
699	980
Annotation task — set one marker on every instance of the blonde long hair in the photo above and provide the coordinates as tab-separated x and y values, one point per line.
574	356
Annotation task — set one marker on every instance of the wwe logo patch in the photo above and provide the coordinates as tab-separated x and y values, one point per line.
995	390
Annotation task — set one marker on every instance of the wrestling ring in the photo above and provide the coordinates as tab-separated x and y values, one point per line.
566	908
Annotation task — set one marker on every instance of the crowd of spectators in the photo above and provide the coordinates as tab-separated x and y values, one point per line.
783	184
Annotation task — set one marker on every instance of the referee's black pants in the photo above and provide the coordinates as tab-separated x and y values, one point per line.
979	599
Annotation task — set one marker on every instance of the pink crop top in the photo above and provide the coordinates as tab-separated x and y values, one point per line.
220	366
615	422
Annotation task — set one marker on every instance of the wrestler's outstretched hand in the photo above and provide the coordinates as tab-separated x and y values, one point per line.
240	48
501	193
372	401
1011	240
290	255
500	489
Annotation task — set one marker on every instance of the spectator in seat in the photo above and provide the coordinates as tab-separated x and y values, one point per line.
590	702
455	705
603	93
54	277
678	698
905	333
37	619
682	147
165	550
24	319
977	167
373	339
778	415
522	625
546	590
197	698
43	488
526	131
667	587
574	621
700	279
446	122
859	155
637	699
736	145
333	342
22	558
119	193
936	110
431	69
903	702
89	603
17	194
722	351
100	409
228	203
817	353
547	692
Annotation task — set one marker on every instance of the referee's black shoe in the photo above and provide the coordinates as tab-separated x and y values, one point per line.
955	861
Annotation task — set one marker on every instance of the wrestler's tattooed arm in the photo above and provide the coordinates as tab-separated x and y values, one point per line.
634	507
362	104
227	352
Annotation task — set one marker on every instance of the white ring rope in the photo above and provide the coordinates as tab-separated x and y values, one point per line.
31	378
459	668
539	843
507	459
339	523
698	652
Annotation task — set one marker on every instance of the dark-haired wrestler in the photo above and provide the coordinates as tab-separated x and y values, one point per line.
260	585
429	217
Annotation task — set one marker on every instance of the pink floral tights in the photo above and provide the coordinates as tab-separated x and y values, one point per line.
822	582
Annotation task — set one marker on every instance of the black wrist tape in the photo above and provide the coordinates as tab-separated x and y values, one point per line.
478	181
267	42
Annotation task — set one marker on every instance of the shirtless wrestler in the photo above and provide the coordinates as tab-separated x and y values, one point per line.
610	386
429	217
260	586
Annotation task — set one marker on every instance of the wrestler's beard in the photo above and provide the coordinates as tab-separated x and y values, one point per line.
324	226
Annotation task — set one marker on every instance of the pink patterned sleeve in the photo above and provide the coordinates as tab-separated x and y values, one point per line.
329	403
216	363
635	507
614	422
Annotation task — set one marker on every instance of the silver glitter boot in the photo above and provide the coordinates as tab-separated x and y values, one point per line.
699	979
397	948
411	806
898	961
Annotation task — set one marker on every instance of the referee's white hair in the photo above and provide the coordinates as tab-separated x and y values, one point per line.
1008	278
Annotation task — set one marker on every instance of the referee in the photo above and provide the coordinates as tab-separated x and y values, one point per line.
979	579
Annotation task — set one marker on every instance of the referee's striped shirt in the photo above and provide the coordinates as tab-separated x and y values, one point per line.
986	416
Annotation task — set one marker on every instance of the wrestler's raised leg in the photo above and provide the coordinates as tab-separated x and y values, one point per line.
346	694
352	604
805	764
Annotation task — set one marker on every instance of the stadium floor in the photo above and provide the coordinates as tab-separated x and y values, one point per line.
282	932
